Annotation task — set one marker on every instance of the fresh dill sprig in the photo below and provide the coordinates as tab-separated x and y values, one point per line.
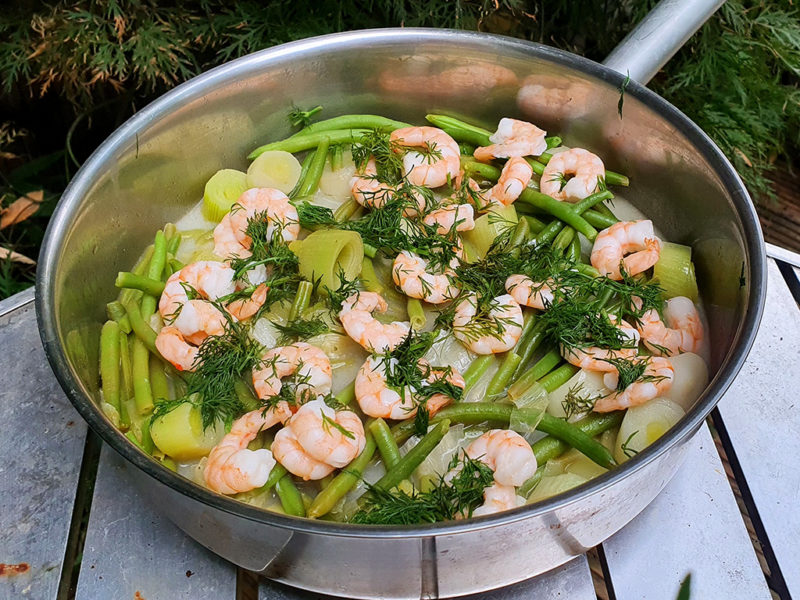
345	289
302	118
388	159
407	373
300	329
631	371
625	446
576	402
447	500
311	216
221	361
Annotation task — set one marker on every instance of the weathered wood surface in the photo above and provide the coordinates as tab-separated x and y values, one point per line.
41	445
131	549
695	526
761	415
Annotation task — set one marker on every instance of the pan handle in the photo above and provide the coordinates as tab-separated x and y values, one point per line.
659	36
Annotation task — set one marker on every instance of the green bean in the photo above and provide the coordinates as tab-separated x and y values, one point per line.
486	172
461	131
573	253
154	287
520	234
344	481
109	363
465	149
140	268
558	377
291	500
132	437
275	475
534	224
549	233
613	178
542	367
560	210
347	394
116	312
146	439
245	395
504	374
158	380
405	467
142	394
564	238
302	299
352	122
142	329
175	265
370	251
604	210
416	315
306	164
527	347
552	141
595	219
126	392
592	200
385	442
155	270
310	140
476	369
576	438
345	210
311	180
368	277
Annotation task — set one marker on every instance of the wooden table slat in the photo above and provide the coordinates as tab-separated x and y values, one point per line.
41	445
131	548
760	414
693	525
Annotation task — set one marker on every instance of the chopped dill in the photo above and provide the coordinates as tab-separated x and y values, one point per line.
631	371
447	500
311	216
345	289
388	160
625	446
300	329
405	372
221	361
327	423
576	402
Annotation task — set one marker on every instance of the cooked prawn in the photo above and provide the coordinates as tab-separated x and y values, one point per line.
231	467
318	439
173	346
596	359
506	453
210	279
308	363
244	308
514	178
450	216
654	382
367	190
683	334
504	318
634	238
585	171
280	213
226	244
513	138
529	293
439	163
366	330
497	498
410	274
377	399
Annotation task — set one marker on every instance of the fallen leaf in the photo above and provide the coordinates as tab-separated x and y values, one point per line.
21	209
15	256
743	156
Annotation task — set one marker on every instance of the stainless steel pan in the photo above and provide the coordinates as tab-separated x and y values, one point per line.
154	167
